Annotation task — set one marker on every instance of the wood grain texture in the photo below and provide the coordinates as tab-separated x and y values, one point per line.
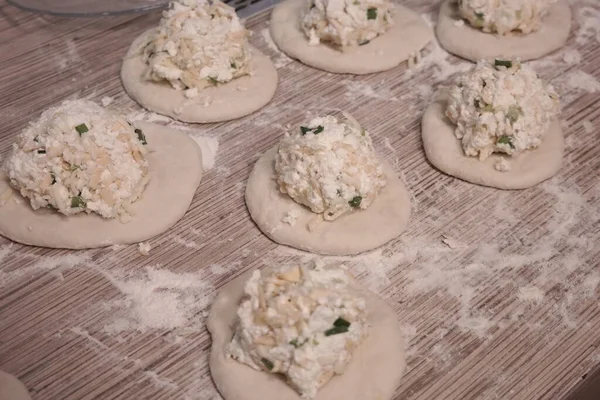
474	331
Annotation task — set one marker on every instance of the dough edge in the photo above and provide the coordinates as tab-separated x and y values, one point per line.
445	152
381	354
227	101
267	206
383	52
175	163
11	388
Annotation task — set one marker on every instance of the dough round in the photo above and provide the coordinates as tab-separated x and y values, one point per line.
528	169
408	35
225	102
11	388
473	44
373	373
352	233
175	165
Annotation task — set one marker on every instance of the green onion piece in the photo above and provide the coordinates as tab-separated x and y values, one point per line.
81	129
488	108
41	151
315	342
233	65
50	206
371	13
73	167
141	136
318	130
305	130
212	80
480	19
506	140
513	113
77	202
355	202
296	344
503	63
519	14
268	364
341	322
364	42
336	330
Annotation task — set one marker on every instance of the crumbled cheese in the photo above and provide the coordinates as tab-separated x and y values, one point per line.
144	248
502	165
106	101
505	16
80	157
198	44
501	109
291	217
459	22
572	57
330	166
346	22
191	93
303	322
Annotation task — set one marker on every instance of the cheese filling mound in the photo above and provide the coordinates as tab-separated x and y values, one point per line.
303	322
501	107
79	157
197	44
346	23
505	16
330	166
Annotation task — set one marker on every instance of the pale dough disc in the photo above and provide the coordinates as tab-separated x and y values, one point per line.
11	388
408	35
473	44
175	165
374	372
528	169
353	233
225	102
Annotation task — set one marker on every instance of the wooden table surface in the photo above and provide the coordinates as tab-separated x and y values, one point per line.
497	291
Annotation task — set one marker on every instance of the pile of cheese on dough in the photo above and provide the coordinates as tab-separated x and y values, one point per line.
330	166
303	322
198	44
505	16
79	157
501	107
346	22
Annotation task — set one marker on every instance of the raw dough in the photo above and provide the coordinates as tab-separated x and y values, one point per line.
231	100
408	35
373	373
473	44
350	234
11	388
528	169
175	164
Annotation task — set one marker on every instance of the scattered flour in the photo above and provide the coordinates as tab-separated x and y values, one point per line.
144	248
209	147
106	101
531	294
583	81
588	127
281	59
589	28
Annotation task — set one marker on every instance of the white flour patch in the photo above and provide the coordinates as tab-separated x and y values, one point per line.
589	28
281	59
357	89
588	127
581	80
159	381
531	294
209	147
185	243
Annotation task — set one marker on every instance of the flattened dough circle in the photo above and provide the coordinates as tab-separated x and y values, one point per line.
11	388
228	101
374	372
408	35
175	164
353	233
445	152
473	44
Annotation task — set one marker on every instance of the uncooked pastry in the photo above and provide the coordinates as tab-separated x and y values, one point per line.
527	169
11	388
408	35
473	44
175	167
224	102
353	233
373	373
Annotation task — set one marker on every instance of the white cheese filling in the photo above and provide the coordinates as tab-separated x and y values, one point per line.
346	23
505	16
197	44
303	322
330	166
79	157
502	107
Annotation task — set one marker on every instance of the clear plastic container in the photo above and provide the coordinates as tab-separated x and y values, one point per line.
88	8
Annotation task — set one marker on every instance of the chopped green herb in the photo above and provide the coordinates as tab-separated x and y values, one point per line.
81	129
73	167
315	342
355	202
268	364
488	108
318	129
513	113
305	130
363	132
141	136
477	103
336	330
506	140
480	20
212	80
50	206
371	13
233	65
77	202
364	42
356	2
41	151
341	322
297	344
503	63
519	14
